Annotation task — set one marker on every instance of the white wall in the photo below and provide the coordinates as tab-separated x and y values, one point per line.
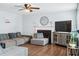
33	19
14	25
78	17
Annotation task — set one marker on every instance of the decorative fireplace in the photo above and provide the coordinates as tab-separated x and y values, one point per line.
46	33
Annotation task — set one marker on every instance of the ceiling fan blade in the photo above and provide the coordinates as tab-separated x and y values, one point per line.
18	5
21	9
34	7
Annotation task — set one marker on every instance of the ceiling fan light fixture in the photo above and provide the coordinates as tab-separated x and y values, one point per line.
27	10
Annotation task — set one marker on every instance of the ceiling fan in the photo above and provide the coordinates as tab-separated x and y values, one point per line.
29	7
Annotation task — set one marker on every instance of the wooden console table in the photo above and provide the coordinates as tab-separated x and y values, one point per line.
61	38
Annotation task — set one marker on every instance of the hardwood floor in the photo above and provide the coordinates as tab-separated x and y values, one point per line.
48	50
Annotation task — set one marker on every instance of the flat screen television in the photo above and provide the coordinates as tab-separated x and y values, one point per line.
63	26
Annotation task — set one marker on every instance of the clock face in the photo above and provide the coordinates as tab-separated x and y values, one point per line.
44	20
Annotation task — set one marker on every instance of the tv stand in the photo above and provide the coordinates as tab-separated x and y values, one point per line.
61	38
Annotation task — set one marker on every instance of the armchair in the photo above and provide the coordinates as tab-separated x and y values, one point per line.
39	40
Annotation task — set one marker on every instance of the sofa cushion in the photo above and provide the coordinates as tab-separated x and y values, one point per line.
38	41
9	42
1	37
19	41
40	35
4	36
18	34
26	39
12	35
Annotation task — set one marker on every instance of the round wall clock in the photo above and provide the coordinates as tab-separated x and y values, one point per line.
44	20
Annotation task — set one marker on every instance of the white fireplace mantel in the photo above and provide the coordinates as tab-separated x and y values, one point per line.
42	28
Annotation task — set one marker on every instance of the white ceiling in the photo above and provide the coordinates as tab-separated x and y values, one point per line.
44	7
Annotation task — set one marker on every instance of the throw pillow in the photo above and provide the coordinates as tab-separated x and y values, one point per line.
12	35
40	35
18	34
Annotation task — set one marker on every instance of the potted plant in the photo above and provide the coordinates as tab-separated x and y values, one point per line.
73	40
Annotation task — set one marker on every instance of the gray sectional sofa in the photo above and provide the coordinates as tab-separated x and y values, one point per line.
13	39
4	38
9	44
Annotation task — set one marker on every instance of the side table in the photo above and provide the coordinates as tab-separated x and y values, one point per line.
72	51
